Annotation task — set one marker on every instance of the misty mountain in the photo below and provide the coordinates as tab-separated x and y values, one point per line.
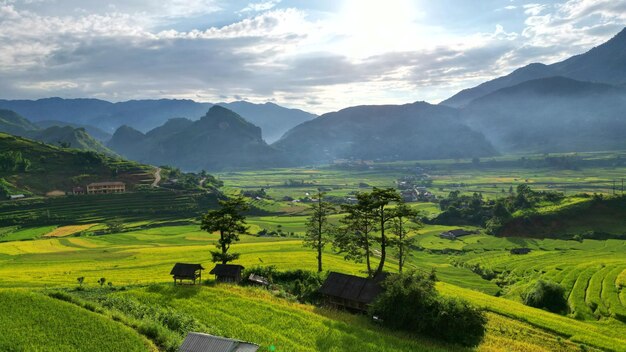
221	139
15	124
602	64
145	115
555	114
273	119
93	131
385	132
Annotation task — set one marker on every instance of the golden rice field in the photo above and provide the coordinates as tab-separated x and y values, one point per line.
64	231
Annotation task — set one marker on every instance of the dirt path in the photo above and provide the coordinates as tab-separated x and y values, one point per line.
157	177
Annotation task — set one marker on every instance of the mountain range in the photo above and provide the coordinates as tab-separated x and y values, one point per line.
145	115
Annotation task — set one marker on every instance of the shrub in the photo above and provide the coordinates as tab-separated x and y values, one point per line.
411	303
546	295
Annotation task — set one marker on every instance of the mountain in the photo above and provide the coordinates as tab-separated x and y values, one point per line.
273	119
385	132
555	114
221	139
93	131
145	115
602	64
15	124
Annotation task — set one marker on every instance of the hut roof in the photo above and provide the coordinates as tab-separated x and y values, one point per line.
184	269
352	287
459	232
258	279
226	269
198	342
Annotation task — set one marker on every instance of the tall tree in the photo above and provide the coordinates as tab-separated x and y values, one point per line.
381	198
318	230
354	239
404	222
230	222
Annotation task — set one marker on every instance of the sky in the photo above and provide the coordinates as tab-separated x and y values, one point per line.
318	56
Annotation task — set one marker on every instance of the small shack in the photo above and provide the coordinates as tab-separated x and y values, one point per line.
199	342
259	280
351	292
227	272
520	250
184	271
454	234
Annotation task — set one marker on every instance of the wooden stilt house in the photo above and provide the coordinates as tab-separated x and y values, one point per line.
184	271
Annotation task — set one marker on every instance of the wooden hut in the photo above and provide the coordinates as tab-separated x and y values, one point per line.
184	271
351	292
198	342
227	272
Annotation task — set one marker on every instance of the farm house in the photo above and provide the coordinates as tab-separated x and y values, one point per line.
184	271
454	234
350	292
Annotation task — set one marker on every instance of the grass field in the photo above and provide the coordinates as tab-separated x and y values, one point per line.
35	322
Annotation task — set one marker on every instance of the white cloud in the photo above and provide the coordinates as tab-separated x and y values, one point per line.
260	6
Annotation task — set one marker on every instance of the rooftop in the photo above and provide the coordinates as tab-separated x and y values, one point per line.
199	342
351	287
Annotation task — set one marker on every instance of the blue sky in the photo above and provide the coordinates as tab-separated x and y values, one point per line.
319	56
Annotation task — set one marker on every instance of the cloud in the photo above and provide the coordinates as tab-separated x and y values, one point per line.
260	6
287	55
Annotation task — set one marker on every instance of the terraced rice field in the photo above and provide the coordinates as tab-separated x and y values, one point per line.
35	322
98	208
69	230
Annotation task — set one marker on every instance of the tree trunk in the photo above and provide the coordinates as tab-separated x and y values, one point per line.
401	255
319	236
224	249
367	256
383	243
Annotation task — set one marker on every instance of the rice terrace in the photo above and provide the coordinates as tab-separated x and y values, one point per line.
288	176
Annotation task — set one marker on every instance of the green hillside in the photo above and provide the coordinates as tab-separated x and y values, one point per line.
27	166
35	322
587	217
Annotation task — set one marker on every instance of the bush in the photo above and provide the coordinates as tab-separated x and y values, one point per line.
411	303
546	295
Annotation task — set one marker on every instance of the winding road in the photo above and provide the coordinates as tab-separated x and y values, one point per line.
157	177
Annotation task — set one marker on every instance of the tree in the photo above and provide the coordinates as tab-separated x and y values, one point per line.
318	230
115	226
353	239
230	223
80	280
411	303
380	200
546	295
405	216
102	281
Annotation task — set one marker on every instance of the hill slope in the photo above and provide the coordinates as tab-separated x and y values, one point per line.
385	132
602	64
551	115
93	131
220	140
51	168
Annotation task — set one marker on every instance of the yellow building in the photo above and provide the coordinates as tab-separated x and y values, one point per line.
106	187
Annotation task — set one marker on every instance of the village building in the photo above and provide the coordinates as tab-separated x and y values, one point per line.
351	292
227	272
78	190
106	187
520	250
16	196
199	342
184	271
454	234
